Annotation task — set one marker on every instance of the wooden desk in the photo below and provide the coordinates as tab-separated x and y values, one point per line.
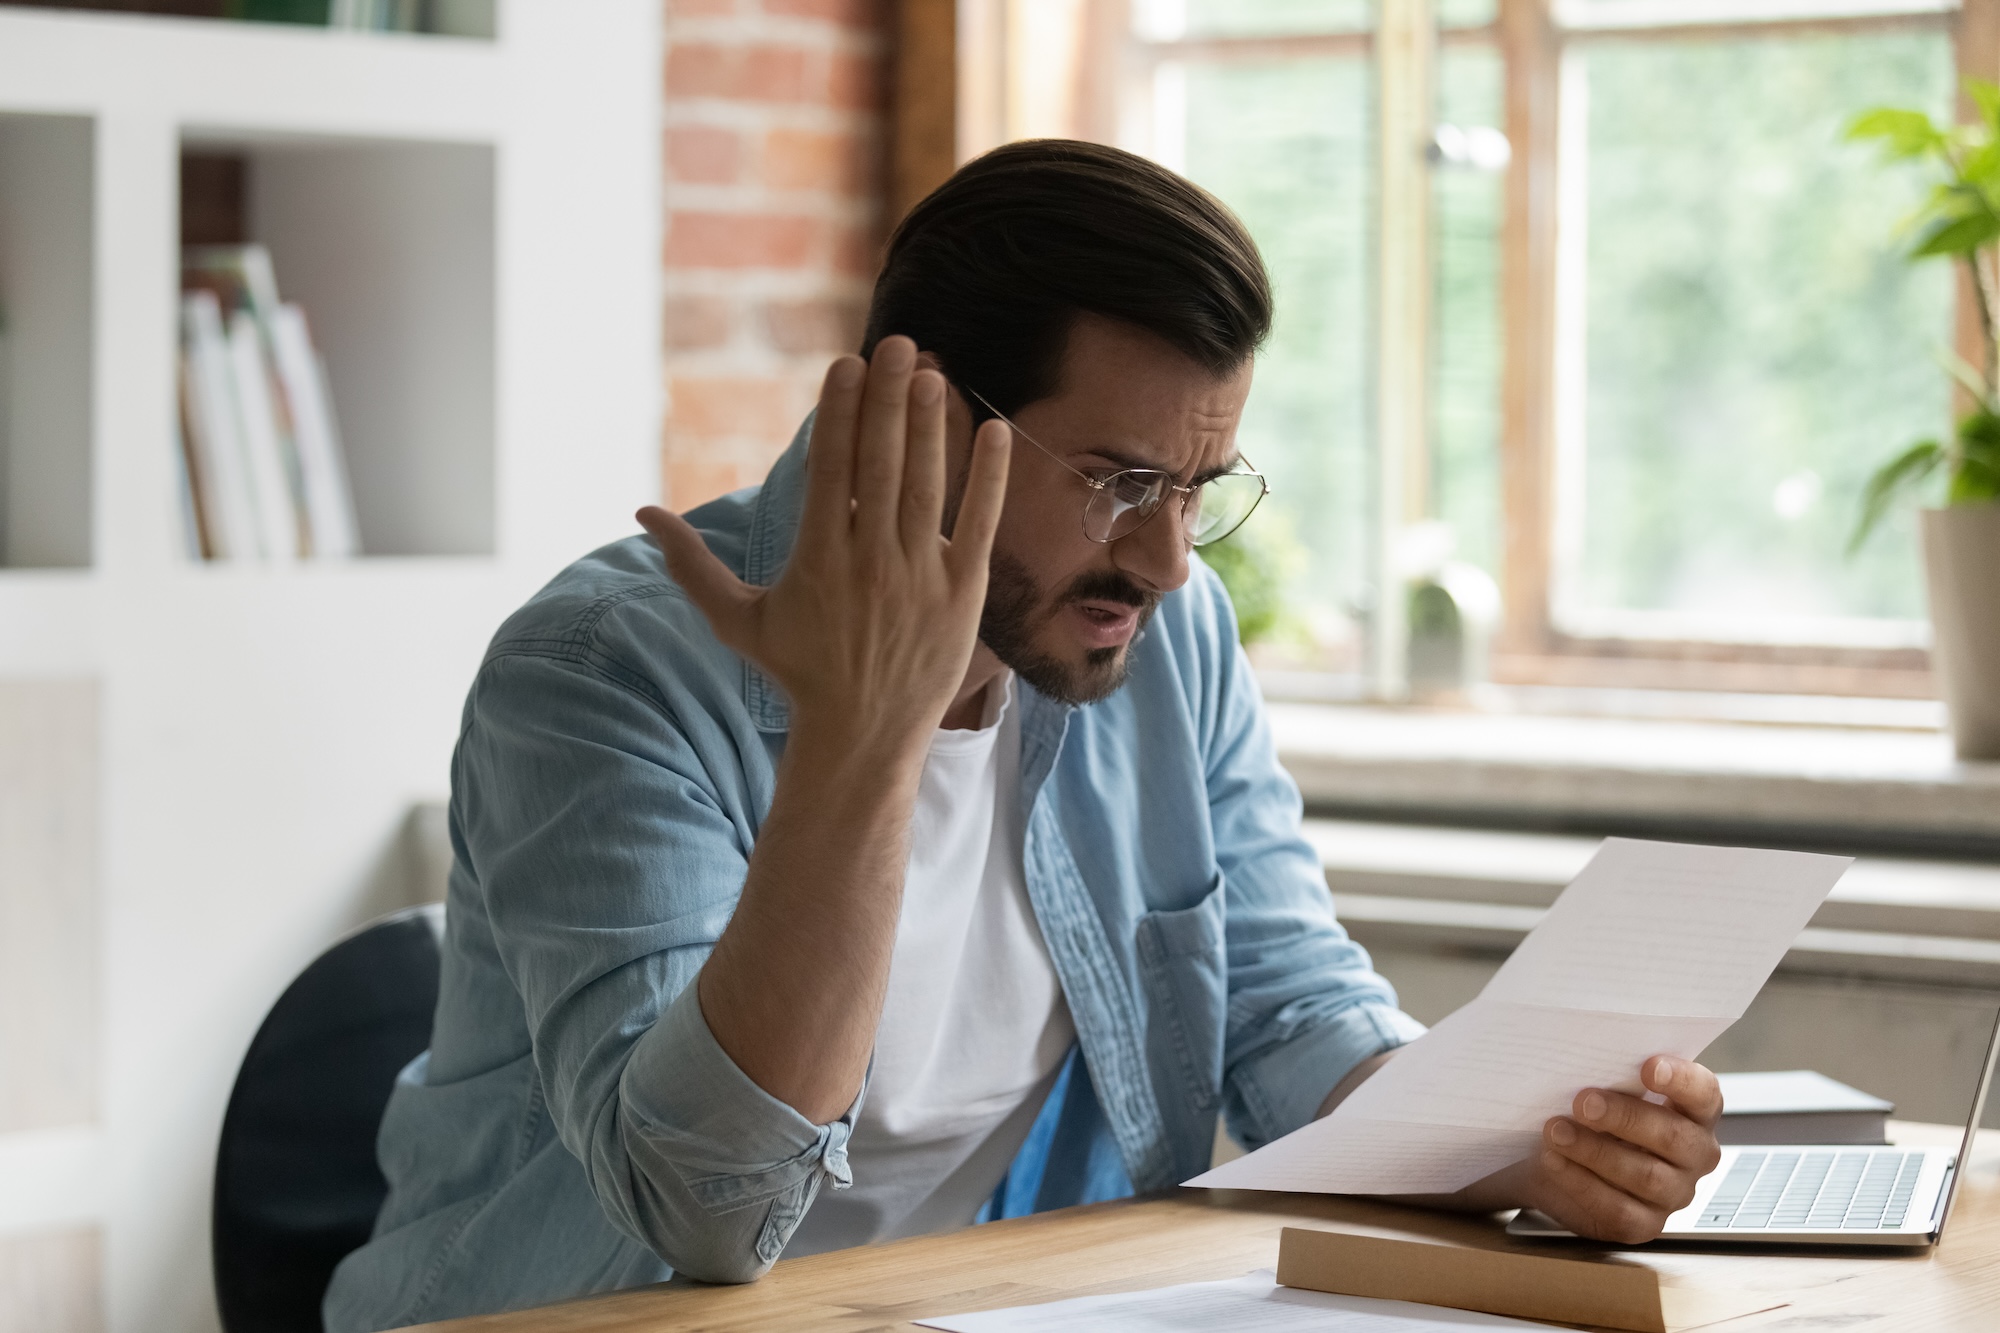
1199	1235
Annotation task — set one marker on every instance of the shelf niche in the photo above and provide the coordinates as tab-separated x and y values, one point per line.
46	235
443	18
389	248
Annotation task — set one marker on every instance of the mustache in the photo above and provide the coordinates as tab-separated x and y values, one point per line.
1107	585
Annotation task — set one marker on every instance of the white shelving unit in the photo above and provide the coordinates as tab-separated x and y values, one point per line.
473	228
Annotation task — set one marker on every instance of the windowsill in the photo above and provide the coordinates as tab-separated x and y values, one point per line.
1650	704
1872	788
1479	892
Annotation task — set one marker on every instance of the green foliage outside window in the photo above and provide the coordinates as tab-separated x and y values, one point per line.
1254	563
1289	144
1751	334
1745	338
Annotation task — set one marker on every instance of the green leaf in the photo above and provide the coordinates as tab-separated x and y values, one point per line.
1947	203
1961	370
1251	566
1900	474
1985	96
1980	167
1974	483
1961	236
1975	473
1979	432
1903	133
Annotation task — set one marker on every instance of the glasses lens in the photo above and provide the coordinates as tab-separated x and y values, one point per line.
1122	503
1221	505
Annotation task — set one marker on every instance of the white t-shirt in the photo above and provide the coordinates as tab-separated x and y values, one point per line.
974	1028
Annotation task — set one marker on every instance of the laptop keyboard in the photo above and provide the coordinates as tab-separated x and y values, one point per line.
1856	1190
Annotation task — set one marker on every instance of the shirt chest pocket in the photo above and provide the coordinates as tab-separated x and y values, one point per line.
1184	968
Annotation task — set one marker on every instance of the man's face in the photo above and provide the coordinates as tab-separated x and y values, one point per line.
1061	609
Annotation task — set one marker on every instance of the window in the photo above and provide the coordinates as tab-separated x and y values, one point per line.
1288	141
1739	340
1590	294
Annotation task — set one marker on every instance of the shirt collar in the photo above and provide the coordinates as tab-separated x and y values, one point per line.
774	525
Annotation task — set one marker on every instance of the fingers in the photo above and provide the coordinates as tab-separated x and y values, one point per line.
985	495
879	445
1589	1205
1661	1130
1631	1170
1692	1088
726	600
1621	1166
830	456
923	463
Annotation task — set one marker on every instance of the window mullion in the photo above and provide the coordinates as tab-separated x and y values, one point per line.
1528	299
1406	55
1976	43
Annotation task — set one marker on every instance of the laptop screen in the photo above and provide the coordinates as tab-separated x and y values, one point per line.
1973	1118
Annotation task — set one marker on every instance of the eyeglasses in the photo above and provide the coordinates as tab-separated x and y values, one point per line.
1121	502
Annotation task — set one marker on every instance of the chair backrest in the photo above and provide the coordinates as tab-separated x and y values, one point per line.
296	1183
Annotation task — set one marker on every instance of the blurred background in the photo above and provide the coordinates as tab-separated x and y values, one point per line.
1631	344
331	329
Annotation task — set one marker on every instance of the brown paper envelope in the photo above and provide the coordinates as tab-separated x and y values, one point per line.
1608	1292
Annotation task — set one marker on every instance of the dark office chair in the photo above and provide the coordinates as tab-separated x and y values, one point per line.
296	1185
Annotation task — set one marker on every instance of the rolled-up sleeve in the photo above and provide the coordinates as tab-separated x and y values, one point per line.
609	857
1283	1086
723	1166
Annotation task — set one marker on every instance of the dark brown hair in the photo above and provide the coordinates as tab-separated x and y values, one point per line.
992	268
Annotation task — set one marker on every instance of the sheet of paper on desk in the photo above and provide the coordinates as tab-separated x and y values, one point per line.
1252	1304
1654	949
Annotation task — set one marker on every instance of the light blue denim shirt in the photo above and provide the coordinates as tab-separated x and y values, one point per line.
575	1128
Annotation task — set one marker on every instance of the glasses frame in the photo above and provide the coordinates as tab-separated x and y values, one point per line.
1099	485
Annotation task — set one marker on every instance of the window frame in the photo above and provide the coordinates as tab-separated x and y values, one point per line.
1530	647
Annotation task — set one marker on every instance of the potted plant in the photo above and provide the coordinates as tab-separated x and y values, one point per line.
1961	539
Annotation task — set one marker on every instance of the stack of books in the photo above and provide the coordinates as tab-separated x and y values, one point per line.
1799	1106
263	476
464	18
451	18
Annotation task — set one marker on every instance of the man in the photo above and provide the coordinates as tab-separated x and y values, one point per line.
910	847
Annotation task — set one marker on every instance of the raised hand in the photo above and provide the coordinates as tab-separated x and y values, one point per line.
871	625
870	629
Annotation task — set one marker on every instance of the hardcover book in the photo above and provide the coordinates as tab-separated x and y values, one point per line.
1799	1106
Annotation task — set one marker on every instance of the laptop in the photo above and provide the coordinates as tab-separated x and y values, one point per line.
1818	1194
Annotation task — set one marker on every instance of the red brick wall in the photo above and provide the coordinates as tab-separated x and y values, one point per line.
774	128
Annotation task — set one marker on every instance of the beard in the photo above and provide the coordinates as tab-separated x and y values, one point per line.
1016	607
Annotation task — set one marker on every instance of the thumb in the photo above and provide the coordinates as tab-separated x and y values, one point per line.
725	599
1690	1087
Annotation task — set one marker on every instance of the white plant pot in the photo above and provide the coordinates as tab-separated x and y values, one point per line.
1962	569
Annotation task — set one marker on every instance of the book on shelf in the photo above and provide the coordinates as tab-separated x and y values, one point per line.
455	18
315	437
1799	1106
223	497
196	542
273	473
259	443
